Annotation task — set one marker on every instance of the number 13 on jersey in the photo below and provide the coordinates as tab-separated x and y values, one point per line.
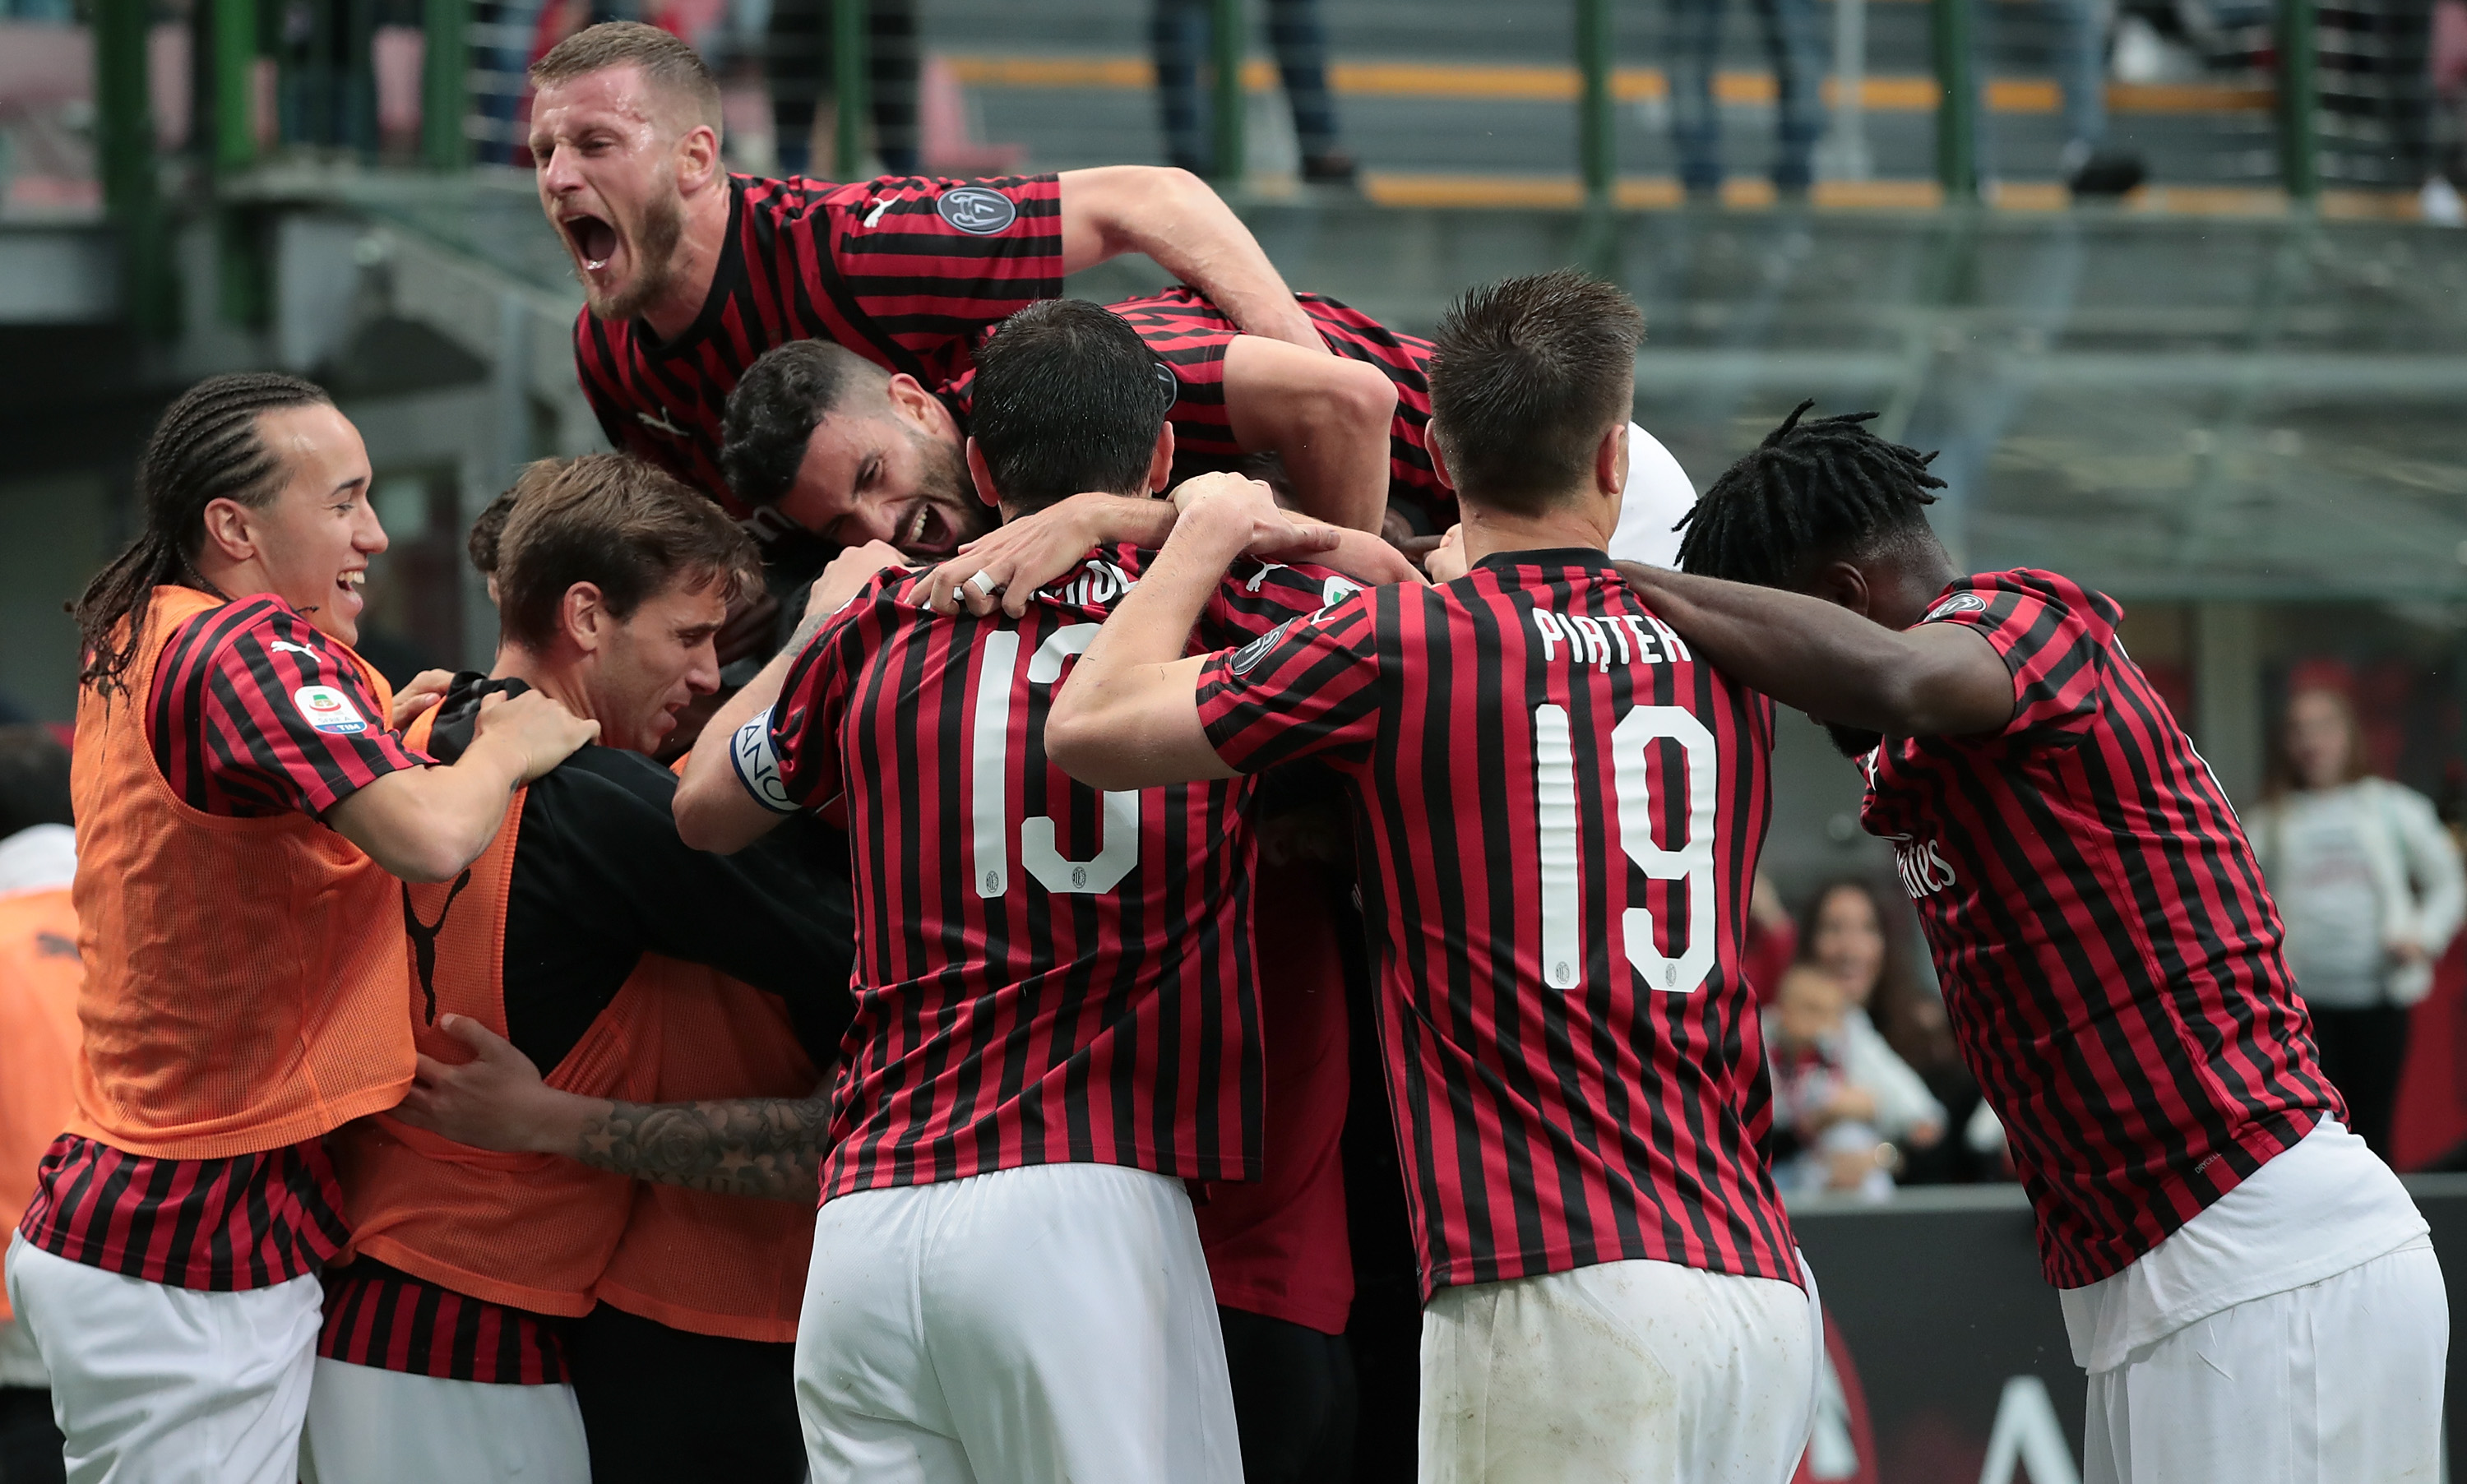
1690	861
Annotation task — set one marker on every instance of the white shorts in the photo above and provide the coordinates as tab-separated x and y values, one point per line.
156	1384
2336	1383
1030	1326
1627	1370
368	1425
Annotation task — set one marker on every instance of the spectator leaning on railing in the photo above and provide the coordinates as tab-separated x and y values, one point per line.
2370	887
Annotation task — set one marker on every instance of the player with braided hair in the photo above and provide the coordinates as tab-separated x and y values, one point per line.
2251	1290
239	801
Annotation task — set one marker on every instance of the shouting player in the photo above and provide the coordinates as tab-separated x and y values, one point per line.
2251	1291
690	272
596	941
1055	1023
1559	810
240	803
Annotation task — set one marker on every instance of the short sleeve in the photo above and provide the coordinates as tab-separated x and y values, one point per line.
288	722
1308	688
788	757
933	263
1255	596
2051	636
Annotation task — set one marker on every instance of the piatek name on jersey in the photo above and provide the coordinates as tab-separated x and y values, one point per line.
1624	639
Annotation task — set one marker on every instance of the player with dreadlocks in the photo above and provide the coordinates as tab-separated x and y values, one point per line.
2251	1291
242	812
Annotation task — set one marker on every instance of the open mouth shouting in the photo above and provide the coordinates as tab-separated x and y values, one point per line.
592	240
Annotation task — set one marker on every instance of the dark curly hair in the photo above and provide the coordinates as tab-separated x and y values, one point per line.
1811	492
774	407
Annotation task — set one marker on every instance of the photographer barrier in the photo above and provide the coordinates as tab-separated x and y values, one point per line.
1949	1362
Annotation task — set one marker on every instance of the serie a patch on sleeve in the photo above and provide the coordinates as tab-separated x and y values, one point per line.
328	709
1957	604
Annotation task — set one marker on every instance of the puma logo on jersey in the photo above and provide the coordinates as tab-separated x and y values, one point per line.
661	423
286	647
1922	867
423	939
1628	638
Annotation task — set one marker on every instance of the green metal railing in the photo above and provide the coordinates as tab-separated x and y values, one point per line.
329	97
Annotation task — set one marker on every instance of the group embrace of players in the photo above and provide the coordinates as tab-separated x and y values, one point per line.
453	1075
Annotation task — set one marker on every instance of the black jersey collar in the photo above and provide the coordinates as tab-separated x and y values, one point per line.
1587	557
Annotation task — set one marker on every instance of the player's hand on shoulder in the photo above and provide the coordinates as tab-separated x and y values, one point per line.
543	730
1446	562
1004	568
425	690
847	574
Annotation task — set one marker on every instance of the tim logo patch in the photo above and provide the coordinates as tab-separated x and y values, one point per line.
1960	602
975	210
328	709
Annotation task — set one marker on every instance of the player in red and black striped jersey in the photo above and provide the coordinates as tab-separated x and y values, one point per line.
2111	965
849	451
1559	809
1056	1019
239	800
690	273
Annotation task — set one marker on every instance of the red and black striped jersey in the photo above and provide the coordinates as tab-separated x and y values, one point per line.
1044	973
385	1319
905	271
1189	336
247	1222
1557	818
256	713
2110	958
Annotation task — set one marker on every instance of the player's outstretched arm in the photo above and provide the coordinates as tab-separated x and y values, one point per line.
1128	715
1173	217
766	1147
1836	666
427	824
1325	416
713	810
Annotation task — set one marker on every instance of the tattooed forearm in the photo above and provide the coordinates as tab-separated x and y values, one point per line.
765	1147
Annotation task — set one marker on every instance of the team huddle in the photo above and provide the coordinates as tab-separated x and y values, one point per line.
886	794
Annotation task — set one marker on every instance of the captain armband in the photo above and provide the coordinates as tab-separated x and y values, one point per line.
757	765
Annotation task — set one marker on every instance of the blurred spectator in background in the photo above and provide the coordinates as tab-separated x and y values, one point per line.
2370	887
1696	118
1847	937
1178	36
39	975
1825	1125
800	67
1772	939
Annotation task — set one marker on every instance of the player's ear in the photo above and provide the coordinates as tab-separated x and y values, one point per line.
584	615
983	476
1161	461
1440	458
910	399
1610	460
697	158
230	533
1843	584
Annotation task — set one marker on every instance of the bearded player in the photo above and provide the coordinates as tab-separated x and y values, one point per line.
2251	1290
689	273
1559	810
